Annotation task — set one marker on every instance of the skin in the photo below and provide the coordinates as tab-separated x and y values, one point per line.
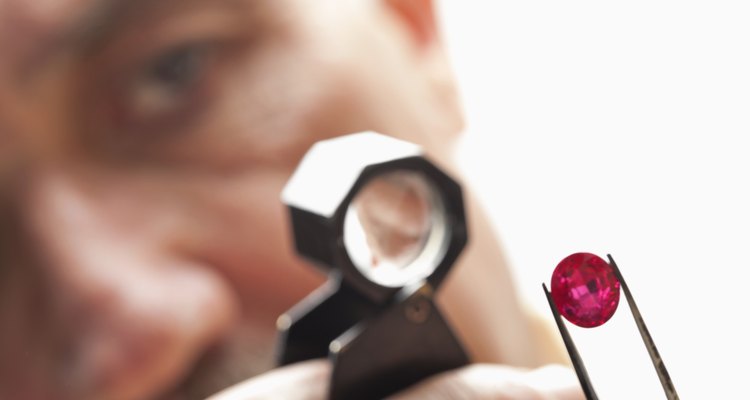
144	252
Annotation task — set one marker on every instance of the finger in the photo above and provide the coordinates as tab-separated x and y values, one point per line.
498	383
302	381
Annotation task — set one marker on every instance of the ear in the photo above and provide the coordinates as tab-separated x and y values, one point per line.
419	17
431	111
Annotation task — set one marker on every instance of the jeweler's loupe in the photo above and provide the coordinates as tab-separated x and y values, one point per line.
386	225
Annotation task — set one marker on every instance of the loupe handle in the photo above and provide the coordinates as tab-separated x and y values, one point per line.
395	349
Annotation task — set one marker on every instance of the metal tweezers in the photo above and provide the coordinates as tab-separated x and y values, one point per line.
575	357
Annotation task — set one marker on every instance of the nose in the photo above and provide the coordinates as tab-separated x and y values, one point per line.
134	315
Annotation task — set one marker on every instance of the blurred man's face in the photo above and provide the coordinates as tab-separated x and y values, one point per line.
144	252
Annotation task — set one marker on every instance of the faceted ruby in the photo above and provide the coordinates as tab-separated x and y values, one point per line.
585	290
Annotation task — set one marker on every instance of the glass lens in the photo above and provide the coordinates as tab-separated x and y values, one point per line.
394	229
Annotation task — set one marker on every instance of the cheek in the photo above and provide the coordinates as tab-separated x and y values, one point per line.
243	231
273	109
308	84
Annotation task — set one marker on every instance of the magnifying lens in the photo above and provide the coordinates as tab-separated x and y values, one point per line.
394	228
386	225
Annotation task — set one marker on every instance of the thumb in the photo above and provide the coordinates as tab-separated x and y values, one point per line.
498	382
303	381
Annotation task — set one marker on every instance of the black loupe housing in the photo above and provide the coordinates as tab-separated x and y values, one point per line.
386	225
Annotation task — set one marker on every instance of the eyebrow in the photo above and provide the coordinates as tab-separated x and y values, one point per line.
82	31
96	25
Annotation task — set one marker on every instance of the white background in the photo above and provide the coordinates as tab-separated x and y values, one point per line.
622	128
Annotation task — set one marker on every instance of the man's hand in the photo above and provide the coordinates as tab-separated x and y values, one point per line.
309	381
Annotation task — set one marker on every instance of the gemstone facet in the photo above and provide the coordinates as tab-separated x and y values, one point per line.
585	290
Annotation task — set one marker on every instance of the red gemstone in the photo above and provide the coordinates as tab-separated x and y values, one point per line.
585	290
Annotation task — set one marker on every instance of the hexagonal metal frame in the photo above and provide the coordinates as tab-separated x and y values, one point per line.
318	221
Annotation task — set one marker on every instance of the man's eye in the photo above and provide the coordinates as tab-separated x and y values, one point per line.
167	86
177	70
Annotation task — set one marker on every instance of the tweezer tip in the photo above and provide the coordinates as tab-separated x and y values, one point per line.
611	260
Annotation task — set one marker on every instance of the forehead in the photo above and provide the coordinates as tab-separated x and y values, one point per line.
27	27
23	21
41	12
